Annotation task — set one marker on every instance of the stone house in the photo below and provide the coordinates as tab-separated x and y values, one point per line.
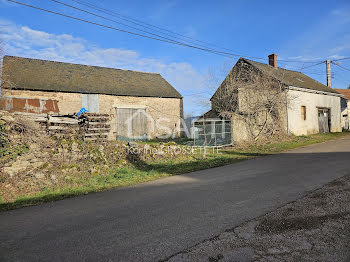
150	104
303	106
345	108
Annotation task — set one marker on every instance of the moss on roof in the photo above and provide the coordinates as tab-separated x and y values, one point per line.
43	75
291	78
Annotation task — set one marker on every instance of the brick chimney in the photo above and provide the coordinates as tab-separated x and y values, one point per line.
273	60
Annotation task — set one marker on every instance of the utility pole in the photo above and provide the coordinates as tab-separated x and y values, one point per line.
329	77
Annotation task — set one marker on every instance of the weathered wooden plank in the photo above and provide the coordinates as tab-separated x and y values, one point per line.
98	129
63	121
95	114
96	134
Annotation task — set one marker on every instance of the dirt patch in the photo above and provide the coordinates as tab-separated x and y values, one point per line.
277	226
313	228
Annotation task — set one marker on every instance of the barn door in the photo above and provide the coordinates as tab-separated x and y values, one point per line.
131	123
323	120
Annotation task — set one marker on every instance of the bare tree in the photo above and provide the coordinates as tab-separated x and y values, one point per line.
4	79
254	100
1	48
1	54
1	59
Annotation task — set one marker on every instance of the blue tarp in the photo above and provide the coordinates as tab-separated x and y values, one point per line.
83	110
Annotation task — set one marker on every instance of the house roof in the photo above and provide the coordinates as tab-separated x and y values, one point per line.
43	75
345	92
211	114
291	78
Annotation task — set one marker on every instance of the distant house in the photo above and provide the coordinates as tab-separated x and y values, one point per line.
345	108
308	106
138	97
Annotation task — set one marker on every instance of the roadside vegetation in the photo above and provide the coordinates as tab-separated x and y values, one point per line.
36	168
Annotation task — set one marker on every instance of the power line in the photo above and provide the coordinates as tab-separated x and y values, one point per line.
158	37
103	17
312	65
341	66
342	80
151	27
106	18
341	59
156	28
342	76
142	24
125	31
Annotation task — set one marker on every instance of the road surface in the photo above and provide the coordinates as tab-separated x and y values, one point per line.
152	221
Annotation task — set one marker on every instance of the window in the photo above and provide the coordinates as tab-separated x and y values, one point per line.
303	112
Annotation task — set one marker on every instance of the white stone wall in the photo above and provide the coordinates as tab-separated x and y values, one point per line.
312	101
345	116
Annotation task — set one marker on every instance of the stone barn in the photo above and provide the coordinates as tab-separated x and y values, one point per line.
139	104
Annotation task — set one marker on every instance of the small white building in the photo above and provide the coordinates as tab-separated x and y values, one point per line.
345	108
309	107
313	111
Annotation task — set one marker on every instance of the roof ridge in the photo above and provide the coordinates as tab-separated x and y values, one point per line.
272	66
60	62
290	76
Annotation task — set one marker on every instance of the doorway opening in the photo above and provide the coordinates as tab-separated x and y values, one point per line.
324	120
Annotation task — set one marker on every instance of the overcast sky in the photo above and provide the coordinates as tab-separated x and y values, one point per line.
295	30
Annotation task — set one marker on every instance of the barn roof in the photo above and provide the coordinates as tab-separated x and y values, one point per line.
44	75
291	78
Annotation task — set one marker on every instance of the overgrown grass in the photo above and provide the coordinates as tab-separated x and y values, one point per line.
7	151
293	142
140	172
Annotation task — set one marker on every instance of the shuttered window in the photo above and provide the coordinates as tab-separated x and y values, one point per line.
303	112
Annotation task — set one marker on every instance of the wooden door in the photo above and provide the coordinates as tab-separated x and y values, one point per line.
323	120
131	123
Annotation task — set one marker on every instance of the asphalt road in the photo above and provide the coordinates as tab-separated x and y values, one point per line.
152	221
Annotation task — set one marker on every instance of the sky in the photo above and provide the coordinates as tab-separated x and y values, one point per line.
298	31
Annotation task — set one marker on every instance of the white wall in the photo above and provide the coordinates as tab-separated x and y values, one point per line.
312	101
345	116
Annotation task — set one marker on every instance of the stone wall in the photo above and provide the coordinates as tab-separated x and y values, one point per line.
167	111
248	99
